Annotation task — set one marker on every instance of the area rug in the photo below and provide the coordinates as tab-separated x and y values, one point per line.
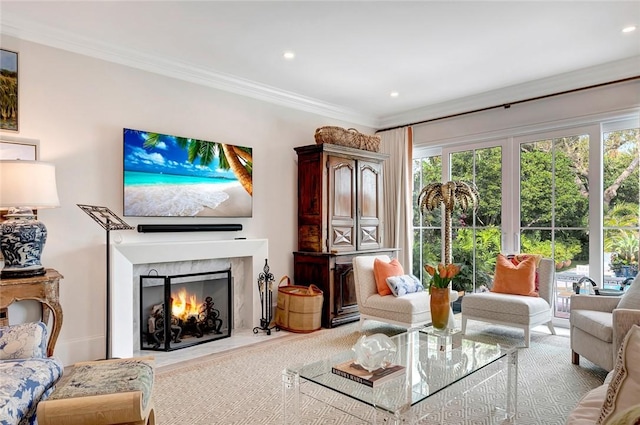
244	386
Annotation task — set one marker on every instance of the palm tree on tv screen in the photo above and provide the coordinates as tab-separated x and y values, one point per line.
238	159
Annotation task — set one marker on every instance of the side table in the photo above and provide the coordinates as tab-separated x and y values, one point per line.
44	289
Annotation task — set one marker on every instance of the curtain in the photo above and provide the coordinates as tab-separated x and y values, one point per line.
398	193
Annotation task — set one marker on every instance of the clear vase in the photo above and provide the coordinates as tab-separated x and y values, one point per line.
439	303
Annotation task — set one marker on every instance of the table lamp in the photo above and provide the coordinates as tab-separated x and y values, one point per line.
25	186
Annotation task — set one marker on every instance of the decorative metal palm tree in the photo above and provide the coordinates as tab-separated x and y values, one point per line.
448	194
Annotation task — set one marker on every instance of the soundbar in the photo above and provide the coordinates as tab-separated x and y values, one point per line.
158	228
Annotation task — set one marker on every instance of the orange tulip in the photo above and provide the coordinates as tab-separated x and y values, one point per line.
429	269
452	270
441	274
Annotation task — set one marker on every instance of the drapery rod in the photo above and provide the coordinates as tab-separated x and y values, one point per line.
508	105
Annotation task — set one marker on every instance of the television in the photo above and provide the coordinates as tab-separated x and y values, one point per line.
175	176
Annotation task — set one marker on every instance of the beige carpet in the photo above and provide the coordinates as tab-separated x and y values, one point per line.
245	386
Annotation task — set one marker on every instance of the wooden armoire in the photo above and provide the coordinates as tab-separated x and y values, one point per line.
340	208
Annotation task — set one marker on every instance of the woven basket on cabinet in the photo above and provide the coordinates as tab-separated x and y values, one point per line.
347	137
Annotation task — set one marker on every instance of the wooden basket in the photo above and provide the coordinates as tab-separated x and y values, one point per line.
347	137
299	307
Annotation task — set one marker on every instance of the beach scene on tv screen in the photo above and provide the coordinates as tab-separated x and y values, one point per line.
173	176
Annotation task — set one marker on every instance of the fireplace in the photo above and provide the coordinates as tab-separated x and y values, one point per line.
247	260
198	306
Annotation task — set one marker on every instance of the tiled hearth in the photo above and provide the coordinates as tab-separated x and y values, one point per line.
239	339
246	259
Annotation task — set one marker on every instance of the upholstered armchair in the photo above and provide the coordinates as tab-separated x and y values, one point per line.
520	311
27	375
410	310
599	323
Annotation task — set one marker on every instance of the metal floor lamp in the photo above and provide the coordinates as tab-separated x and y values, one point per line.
109	221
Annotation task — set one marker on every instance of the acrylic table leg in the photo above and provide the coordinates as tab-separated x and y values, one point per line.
512	384
383	417
290	396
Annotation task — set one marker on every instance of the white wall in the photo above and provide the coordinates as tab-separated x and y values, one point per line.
77	106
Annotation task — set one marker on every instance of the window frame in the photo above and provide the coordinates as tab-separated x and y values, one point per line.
510	140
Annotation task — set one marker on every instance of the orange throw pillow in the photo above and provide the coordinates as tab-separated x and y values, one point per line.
382	271
517	258
515	279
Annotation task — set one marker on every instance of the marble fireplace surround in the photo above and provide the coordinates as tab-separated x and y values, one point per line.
246	257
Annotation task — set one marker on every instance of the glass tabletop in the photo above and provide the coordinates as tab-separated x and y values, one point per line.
433	362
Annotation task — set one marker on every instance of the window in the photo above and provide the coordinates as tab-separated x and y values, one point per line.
477	238
620	205
570	194
427	228
554	206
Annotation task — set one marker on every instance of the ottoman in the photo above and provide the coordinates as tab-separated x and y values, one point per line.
116	391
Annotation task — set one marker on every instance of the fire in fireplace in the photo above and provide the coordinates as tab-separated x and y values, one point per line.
198	306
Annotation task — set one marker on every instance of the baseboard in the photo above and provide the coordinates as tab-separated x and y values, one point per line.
79	350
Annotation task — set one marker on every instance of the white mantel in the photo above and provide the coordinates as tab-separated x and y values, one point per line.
125	256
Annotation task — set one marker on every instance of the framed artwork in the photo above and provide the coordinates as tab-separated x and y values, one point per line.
16	148
8	90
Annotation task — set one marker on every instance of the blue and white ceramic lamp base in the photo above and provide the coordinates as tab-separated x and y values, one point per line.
22	240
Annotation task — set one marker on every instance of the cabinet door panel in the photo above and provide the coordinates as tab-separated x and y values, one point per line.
343	187
369	193
342	203
308	269
345	297
311	204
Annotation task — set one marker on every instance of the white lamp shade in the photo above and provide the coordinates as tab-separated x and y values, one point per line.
29	184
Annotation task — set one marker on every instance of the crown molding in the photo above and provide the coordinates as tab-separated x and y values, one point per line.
48	36
585	77
42	34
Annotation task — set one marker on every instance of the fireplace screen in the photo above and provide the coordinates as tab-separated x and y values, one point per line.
198	306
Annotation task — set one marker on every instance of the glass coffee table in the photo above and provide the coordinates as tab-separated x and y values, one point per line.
448	379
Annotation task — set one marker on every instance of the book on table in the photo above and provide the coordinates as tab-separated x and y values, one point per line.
352	370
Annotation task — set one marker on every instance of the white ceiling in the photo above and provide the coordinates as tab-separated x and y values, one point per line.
442	57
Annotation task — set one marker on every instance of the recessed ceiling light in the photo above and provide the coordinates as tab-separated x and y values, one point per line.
289	55
629	29
394	94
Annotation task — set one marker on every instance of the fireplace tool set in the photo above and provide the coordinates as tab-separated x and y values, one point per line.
265	288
